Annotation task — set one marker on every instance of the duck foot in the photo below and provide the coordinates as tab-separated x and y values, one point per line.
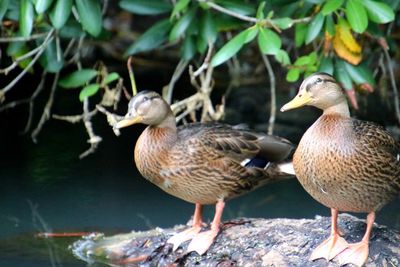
356	254
183	236
202	242
188	234
331	247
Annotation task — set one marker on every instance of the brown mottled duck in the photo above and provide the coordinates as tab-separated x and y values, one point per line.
202	163
344	163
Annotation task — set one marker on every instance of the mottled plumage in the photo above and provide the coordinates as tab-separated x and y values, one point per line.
202	163
347	164
344	163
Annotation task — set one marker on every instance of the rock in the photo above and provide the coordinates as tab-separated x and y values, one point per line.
242	242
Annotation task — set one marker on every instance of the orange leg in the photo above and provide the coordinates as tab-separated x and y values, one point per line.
357	253
333	245
201	242
188	234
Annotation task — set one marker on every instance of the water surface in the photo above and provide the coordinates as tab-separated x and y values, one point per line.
45	187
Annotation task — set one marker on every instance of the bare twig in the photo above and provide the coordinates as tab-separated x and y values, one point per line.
15	62
94	139
112	118
132	76
47	109
23	39
393	82
272	85
77	55
207	60
175	77
203	82
43	46
268	22
72	118
13	104
231	13
39	88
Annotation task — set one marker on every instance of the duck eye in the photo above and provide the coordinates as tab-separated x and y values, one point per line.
145	99
319	80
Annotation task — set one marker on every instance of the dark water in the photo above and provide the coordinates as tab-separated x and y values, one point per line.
45	187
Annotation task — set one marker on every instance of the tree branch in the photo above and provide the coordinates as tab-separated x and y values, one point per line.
23	39
94	139
39	88
267	22
393	82
175	77
43	46
47	109
272	116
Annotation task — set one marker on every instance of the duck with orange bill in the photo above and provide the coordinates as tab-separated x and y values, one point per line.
202	163
344	163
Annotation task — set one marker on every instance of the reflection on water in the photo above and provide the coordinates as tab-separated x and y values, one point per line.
45	187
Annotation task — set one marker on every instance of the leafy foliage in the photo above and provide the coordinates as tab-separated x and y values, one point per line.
328	35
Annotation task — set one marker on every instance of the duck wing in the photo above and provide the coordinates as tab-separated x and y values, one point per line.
237	143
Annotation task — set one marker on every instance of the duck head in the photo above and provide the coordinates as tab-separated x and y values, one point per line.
320	90
149	108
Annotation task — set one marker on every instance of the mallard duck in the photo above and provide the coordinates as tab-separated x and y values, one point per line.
344	163
202	163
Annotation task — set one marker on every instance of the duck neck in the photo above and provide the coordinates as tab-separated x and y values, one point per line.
164	133
339	109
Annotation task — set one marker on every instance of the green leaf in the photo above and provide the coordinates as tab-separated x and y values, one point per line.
331	6
237	6
71	29
26	16
111	77
329	25
225	23
151	39
17	49
313	58
180	5
314	28
49	59
201	44
42	5
89	12
342	75
181	26
268	41
360	74
232	47
303	60
282	57
378	12
88	91
208	29
252	33
326	65
188	49
293	75
77	78
60	13
143	7
283	23
356	15
300	31
260	11
3	8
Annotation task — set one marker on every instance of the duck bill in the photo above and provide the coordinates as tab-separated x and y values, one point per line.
125	122
301	99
